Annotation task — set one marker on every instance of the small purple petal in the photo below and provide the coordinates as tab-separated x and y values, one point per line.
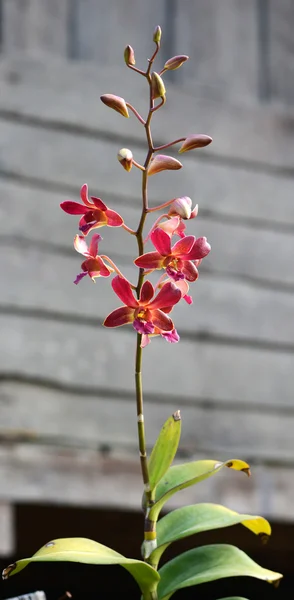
175	275
144	327
79	277
171	336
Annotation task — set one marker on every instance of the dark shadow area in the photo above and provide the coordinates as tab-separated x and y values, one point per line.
36	525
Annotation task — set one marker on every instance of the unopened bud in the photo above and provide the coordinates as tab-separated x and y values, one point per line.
157	35
195	140
175	62
125	157
181	207
115	102
129	56
161	162
157	86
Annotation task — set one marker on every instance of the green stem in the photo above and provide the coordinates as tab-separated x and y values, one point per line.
140	415
140	241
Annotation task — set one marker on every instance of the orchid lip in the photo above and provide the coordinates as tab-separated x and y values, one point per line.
86	228
144	327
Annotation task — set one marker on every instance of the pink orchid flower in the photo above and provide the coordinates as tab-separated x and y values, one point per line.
93	266
95	214
180	260
146	314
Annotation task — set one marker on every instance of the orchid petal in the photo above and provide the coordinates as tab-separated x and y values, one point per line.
145	340
120	316
161	240
189	270
182	248
188	299
171	336
113	218
144	327
105	271
169	295
150	260
84	195
98	203
73	208
93	248
81	245
183	286
194	212
200	249
170	225
167	309
123	290
161	320
147	292
79	277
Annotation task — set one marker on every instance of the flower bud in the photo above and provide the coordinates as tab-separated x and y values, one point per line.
129	56
125	157
157	35
181	207
161	162
157	86
175	62
195	140
115	102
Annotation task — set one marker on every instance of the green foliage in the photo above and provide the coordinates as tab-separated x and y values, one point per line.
208	563
180	477
164	449
82	550
188	520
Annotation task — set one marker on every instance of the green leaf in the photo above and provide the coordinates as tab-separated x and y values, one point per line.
208	563
188	520
164	449
234	598
82	550
180	477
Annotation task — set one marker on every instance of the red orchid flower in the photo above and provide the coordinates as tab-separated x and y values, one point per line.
95	214
93	266
146	314
180	260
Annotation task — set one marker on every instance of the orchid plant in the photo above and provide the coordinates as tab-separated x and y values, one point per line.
147	309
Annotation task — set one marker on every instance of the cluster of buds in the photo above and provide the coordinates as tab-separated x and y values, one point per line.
146	307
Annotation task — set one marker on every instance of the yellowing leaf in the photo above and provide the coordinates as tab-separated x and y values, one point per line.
82	550
188	520
180	477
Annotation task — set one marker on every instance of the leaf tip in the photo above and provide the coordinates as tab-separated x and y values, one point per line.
264	537
177	415
246	471
8	570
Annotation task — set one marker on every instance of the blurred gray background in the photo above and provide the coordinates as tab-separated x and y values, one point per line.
67	414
